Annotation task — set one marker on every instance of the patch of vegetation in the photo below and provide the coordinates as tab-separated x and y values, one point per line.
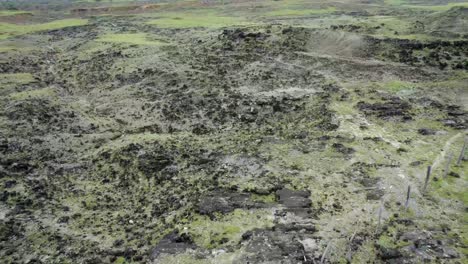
301	12
16	78
39	93
227	229
270	198
183	259
437	7
194	20
394	2
130	38
386	241
9	30
13	12
120	260
399	87
9	48
452	187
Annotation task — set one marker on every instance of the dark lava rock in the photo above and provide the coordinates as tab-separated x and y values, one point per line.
118	243
458	123
375	194
63	220
224	202
293	199
394	107
426	131
455	110
343	149
172	243
210	205
9	184
273	246
389	253
295	227
425	245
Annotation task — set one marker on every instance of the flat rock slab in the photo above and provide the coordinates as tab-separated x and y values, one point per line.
172	243
275	246
225	202
293	199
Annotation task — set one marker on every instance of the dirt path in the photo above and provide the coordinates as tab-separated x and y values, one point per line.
440	158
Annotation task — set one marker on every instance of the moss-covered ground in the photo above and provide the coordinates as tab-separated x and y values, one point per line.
233	132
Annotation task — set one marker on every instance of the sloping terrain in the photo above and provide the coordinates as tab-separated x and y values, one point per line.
234	132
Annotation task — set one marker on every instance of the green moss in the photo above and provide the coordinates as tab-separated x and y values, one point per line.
386	242
119	260
39	93
130	38
226	229
13	82
437	7
394	2
13	12
16	78
107	1
8	30
343	108
451	188
182	259
365	254
8	48
142	138
207	20
301	12
398	86
270	198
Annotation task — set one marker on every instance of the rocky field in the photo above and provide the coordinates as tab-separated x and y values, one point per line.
287	131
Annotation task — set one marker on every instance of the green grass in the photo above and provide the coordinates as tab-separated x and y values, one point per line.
300	12
13	46
437	7
394	2
8	48
15	78
13	12
194	20
397	86
210	234
130	38
8	30
39	93
119	260
393	27
107	1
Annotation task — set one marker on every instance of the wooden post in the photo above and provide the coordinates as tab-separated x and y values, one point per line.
428	175
325	253
380	215
462	154
408	196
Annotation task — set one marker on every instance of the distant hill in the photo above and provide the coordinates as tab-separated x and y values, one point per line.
454	20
